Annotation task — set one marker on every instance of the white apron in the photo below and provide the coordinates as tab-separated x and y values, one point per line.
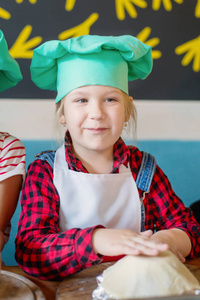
86	200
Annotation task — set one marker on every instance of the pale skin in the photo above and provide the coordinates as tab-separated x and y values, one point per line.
95	117
9	193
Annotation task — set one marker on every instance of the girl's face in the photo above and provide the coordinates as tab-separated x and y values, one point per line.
94	116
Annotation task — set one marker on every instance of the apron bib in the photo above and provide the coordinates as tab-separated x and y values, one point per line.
86	199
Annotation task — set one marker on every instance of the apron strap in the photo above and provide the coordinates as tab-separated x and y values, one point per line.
144	177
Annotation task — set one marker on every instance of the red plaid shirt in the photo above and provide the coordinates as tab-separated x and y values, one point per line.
44	252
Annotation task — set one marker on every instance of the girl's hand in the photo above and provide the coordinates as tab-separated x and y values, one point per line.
114	242
168	237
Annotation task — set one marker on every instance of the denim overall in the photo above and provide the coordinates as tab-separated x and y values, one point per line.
143	181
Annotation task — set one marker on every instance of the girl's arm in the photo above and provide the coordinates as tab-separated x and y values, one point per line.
178	241
9	194
116	242
174	223
166	214
12	170
41	250
2	243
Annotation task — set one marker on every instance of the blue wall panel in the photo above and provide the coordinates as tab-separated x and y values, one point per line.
179	160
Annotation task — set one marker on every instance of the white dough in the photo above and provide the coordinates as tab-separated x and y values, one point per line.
145	276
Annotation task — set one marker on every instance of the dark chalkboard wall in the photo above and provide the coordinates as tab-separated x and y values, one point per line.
173	23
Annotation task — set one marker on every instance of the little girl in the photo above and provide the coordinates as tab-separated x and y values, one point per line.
95	199
12	151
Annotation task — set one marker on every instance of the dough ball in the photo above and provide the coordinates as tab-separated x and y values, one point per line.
145	276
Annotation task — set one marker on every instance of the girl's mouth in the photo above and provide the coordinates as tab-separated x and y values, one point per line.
97	130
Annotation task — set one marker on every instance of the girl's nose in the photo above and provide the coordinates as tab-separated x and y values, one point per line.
96	111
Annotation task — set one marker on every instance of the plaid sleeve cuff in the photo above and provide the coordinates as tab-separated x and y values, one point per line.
85	254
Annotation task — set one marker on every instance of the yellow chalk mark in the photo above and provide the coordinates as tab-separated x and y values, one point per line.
128	5
22	48
197	9
144	35
31	1
192	52
69	5
81	29
4	14
156	4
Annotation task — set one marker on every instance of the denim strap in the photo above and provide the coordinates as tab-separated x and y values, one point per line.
146	172
48	156
143	181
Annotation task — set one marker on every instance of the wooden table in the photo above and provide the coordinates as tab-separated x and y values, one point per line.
80	285
48	288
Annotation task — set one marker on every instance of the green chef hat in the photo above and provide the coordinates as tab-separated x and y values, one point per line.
63	66
10	73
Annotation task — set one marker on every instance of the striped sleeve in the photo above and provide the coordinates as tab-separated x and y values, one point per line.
12	156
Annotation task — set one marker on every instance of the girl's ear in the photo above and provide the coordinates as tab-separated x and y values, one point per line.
62	119
128	108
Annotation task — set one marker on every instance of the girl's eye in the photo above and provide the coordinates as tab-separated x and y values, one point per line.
81	100
110	100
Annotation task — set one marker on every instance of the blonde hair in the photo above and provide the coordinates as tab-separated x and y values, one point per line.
59	110
130	116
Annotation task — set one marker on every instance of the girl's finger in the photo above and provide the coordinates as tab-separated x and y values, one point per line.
150	243
181	257
142	248
147	233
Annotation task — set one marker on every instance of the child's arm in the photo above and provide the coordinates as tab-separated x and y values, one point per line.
9	194
115	242
178	241
166	214
174	223
12	170
2	242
